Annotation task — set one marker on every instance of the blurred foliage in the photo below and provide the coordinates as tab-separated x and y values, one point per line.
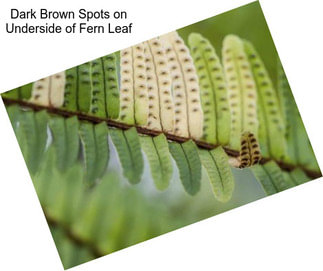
87	223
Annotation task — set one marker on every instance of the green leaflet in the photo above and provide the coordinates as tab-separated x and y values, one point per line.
299	176
57	126
264	179
71	89
25	91
14	113
33	138
271	177
98	99
70	254
271	128
275	173
128	147
133	88
219	173
89	150
214	96
111	86
102	148
65	141
84	87
95	150
65	191
20	93
300	151
156	149
189	165
72	140
241	88
12	94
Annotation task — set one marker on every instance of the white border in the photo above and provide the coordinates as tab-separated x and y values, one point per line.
282	232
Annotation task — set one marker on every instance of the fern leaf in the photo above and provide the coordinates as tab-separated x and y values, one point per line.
14	115
84	87
25	91
265	180
188	110
95	150
271	129
219	173
134	95
126	87
156	149
12	94
214	96
33	138
89	151
72	141
98	99
65	140
128	147
271	177
241	89
161	106
250	152
57	89
111	86
40	92
57	127
189	165
154	118
102	148
299	176
71	90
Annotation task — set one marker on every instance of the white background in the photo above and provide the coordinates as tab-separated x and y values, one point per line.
281	232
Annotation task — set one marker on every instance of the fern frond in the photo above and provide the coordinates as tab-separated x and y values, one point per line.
161	105
71	90
102	148
271	177
89	151
189	165
188	110
299	176
241	89
98	91
214	96
65	140
250	151
25	91
40	92
14	115
84	87
12	94
157	152
57	89
57	127
271	128
129	151
33	137
219	173
133	92
111	86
